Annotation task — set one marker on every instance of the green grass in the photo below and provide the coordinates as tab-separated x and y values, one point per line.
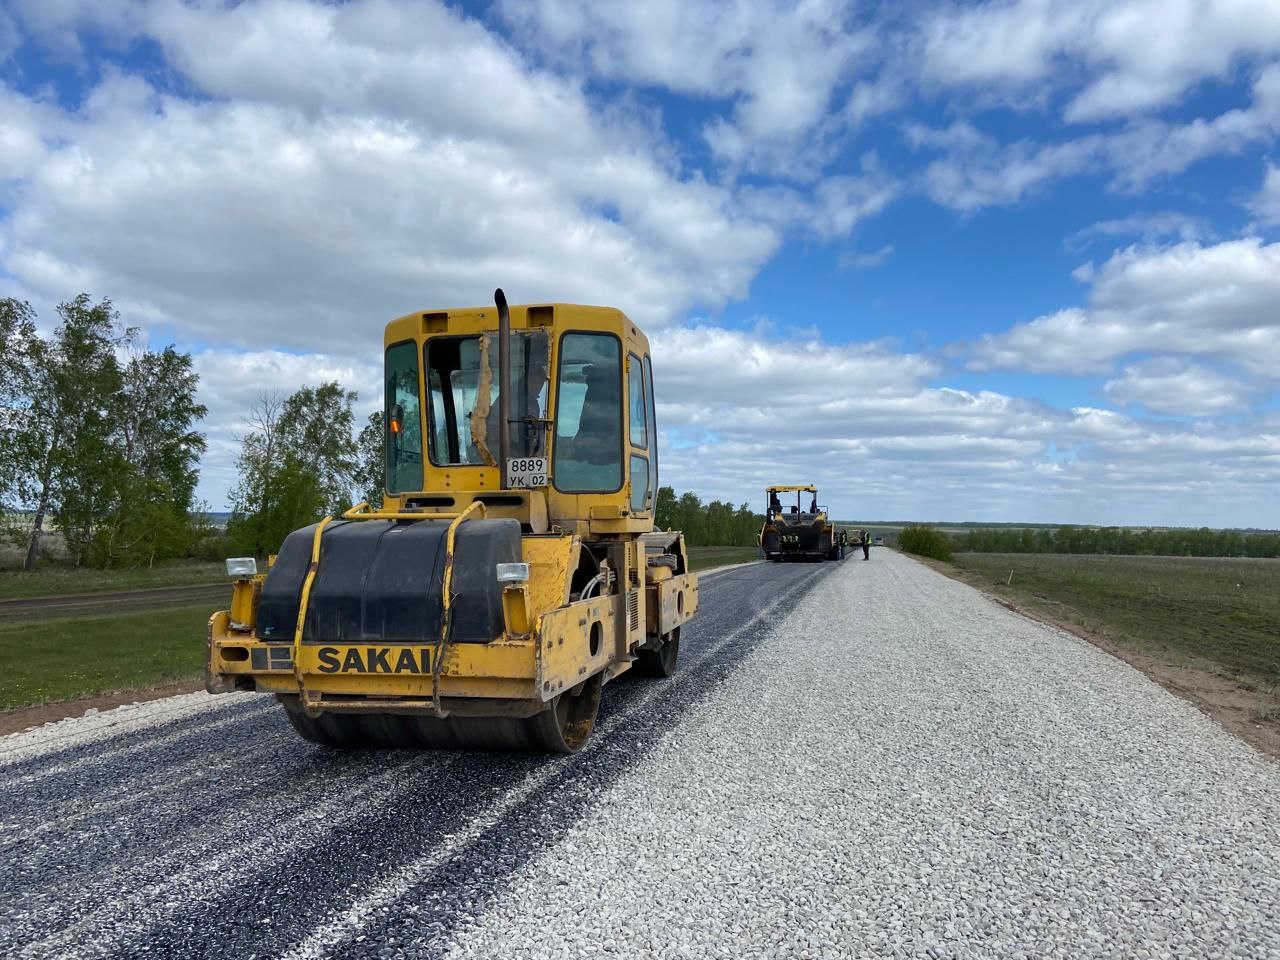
702	557
60	659
57	580
1222	612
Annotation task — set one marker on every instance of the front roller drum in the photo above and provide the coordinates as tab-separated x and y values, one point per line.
563	728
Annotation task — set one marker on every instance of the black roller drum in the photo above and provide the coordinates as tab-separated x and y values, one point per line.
380	581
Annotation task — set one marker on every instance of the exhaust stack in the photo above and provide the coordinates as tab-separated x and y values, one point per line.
504	384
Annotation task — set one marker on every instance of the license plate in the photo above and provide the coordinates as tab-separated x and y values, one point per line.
526	472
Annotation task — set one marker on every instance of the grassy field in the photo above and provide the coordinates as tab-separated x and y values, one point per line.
890	530
700	558
61	658
64	658
1221	614
55	580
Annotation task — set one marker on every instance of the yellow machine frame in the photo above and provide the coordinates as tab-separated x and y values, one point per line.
553	642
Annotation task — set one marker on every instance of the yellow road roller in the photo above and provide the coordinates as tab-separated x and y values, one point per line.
512	568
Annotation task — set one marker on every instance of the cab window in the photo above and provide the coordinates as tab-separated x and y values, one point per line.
462	379
636	405
639	483
653	426
588	429
453	379
403	419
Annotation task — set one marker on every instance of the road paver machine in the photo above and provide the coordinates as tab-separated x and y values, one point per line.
799	530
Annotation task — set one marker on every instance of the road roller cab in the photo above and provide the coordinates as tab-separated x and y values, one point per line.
512	568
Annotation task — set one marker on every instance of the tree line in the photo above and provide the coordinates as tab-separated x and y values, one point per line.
715	524
101	444
99	438
925	541
1130	541
299	461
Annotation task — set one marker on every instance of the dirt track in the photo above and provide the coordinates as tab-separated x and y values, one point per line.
121	601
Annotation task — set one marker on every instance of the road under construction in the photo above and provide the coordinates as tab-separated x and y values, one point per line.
862	759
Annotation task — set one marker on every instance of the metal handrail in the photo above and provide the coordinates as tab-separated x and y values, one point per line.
447	597
362	511
306	598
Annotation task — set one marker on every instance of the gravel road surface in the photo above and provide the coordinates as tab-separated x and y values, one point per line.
856	760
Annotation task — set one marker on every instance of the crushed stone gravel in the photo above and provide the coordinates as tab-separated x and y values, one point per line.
95	726
906	769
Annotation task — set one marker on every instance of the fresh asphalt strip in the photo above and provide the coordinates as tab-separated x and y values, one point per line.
265	837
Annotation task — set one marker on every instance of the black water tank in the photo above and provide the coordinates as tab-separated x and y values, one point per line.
381	581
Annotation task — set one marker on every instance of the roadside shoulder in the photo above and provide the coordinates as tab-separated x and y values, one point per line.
22	719
1247	713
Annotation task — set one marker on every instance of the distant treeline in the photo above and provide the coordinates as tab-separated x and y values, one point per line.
926	542
714	524
1131	541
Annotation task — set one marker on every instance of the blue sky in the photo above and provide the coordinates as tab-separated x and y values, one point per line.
1001	261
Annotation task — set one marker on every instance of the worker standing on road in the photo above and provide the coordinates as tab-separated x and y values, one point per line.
866	544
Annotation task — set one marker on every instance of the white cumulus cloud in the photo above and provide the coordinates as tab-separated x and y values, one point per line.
1171	385
1213	301
1136	56
351	163
1266	204
779	62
